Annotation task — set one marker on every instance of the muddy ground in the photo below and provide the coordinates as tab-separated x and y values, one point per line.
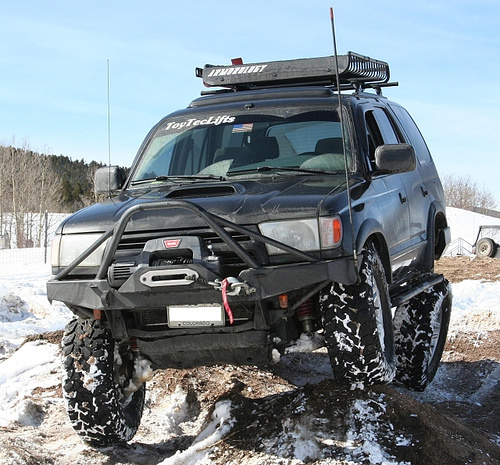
293	412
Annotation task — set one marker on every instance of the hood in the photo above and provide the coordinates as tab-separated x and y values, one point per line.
243	202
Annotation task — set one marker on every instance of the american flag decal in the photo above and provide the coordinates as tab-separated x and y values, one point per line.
245	127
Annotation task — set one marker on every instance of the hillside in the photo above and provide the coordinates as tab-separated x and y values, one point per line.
32	182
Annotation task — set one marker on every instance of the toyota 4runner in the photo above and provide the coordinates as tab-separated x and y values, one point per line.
290	201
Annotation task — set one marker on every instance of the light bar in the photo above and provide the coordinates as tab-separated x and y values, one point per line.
352	68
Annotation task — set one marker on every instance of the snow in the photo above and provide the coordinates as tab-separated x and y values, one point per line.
476	306
220	425
35	365
24	310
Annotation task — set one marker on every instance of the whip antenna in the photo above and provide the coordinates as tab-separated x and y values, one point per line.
342	126
109	130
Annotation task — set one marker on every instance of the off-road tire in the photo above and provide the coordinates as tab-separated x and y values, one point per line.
93	397
420	330
357	322
485	247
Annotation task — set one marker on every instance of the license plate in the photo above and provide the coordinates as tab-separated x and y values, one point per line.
195	316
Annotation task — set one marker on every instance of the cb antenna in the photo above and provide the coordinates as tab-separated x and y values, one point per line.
344	148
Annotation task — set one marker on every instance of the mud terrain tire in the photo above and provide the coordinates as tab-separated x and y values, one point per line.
93	397
420	330
357	321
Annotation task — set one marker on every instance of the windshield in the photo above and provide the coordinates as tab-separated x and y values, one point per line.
217	146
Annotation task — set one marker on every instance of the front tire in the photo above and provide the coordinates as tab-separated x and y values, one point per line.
420	331
93	381
357	322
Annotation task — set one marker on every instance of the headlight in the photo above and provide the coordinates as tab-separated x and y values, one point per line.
67	247
308	235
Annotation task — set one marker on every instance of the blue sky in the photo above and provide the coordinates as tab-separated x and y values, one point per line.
53	61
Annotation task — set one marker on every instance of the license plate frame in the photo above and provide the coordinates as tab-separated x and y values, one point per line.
195	316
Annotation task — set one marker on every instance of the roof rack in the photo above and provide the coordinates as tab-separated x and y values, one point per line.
354	69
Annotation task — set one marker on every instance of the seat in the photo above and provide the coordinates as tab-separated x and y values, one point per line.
265	148
240	155
330	145
330	155
326	162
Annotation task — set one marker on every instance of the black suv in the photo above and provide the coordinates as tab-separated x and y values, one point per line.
276	206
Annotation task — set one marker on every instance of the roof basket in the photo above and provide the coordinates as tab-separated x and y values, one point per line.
353	69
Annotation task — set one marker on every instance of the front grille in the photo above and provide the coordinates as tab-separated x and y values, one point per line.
137	241
133	244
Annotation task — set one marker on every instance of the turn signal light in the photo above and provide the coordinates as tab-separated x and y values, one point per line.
330	232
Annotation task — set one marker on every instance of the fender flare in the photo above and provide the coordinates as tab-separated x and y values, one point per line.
434	249
372	230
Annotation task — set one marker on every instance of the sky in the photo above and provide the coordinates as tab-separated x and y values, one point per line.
54	59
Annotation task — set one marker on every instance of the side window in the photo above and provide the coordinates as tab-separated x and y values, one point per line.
380	130
413	134
386	127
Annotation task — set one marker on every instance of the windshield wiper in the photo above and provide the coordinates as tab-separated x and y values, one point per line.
179	177
261	169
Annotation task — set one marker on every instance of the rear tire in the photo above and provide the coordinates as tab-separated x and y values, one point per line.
357	322
92	386
420	331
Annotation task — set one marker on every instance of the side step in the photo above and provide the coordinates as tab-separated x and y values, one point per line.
414	288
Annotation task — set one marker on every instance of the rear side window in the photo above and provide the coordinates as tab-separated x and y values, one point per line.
412	134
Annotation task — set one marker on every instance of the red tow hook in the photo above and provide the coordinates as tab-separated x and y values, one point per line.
225	301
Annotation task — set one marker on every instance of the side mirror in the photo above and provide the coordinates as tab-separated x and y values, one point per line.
109	179
395	158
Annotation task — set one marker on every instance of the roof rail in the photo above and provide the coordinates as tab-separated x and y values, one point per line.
354	69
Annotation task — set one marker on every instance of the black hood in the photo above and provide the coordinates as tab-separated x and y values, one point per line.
243	202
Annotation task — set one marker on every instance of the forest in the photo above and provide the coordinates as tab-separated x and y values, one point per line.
33	183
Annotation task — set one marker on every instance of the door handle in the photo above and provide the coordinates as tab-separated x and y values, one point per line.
425	192
402	198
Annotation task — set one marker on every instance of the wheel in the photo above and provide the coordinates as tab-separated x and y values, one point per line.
357	322
485	247
420	330
96	374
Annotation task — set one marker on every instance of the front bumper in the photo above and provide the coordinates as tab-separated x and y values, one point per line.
265	282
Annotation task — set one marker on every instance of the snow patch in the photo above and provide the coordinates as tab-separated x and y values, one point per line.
221	424
34	365
476	306
363	437
306	343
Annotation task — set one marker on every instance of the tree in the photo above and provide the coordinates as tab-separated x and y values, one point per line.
28	188
462	192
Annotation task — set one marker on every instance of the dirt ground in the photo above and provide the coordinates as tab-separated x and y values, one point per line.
457	269
293	412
